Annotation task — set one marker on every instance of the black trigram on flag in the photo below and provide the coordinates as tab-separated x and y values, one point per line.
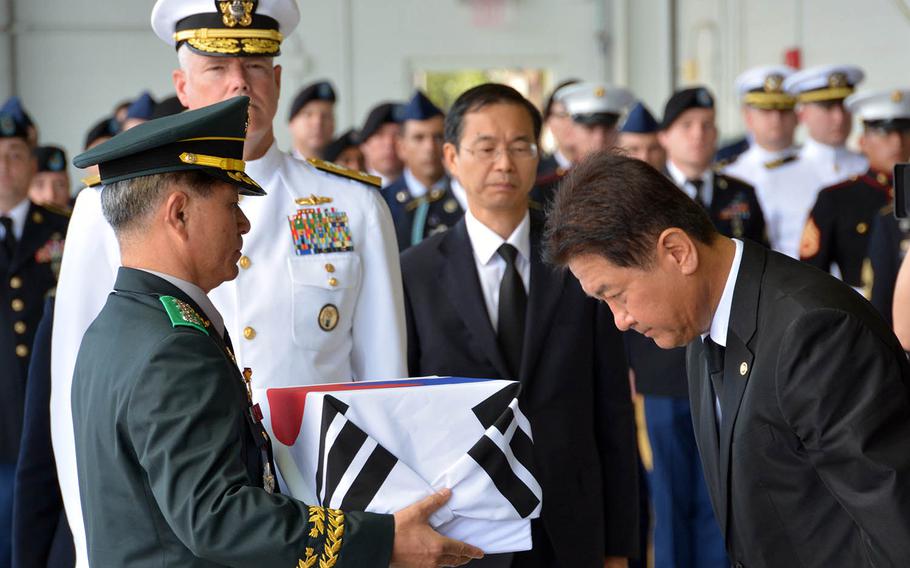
341	443
354	472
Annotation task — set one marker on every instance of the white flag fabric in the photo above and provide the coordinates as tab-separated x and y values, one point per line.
381	445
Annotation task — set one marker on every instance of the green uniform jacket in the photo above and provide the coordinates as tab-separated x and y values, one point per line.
170	471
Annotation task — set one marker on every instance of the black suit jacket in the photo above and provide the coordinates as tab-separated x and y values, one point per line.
574	386
811	465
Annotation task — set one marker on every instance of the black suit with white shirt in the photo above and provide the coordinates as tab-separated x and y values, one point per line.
574	385
807	463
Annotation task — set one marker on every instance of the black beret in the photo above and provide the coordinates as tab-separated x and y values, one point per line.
50	159
107	127
167	107
318	91
347	140
383	113
681	101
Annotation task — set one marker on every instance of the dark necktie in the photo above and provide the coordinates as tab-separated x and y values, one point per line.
9	239
699	185
714	354
513	303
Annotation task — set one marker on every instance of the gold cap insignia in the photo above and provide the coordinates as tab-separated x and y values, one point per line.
599	92
897	96
837	80
773	83
236	12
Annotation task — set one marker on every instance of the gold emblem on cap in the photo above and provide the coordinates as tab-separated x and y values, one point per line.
897	96
837	80
599	92
743	368
236	12
773	83
189	158
328	317
313	200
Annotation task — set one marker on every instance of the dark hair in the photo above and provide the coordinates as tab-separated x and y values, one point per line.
483	95
617	207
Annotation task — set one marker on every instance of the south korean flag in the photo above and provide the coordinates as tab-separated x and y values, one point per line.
380	446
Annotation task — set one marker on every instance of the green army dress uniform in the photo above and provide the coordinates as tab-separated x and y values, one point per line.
174	465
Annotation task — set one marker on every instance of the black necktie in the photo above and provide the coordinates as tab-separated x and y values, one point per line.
513	303
714	354
699	185
9	239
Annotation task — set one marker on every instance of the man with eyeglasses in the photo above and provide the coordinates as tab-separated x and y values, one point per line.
421	201
480	302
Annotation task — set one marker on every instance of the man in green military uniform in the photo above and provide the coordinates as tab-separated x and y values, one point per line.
174	465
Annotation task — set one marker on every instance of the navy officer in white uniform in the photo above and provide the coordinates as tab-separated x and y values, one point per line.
318	298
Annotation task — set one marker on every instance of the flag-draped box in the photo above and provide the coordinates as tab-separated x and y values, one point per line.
381	445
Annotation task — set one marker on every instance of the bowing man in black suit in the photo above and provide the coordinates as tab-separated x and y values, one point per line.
481	303
800	392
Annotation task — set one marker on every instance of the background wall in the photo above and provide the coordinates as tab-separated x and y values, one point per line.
72	61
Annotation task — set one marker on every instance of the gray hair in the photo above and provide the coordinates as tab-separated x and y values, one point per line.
128	204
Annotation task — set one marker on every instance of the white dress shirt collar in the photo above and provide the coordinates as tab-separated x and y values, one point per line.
18	215
461	195
680	179
763	156
823	152
720	324
417	189
486	242
561	160
197	295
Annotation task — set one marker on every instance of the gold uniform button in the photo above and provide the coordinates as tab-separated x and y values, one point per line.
333	282
743	368
329	267
22	350
862	228
245	262
17	305
19	327
15	282
249	332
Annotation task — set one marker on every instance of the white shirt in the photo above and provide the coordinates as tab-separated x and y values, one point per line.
384	181
682	181
417	189
17	215
197	295
279	297
491	266
834	164
720	323
751	167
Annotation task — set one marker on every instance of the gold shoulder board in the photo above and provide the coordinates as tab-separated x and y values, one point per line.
344	172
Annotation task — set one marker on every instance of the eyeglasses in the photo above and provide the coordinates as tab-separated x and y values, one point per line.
488	153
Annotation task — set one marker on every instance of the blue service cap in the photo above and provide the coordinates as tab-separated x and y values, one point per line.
640	120
419	108
14	121
142	108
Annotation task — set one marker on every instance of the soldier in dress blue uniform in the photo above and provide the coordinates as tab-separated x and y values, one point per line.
13	107
421	200
688	133
638	137
312	119
31	246
837	231
889	241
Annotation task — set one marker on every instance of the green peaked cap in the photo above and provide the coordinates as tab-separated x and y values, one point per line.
209	139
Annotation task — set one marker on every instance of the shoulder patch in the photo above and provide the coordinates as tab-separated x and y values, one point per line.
773	164
331	168
182	314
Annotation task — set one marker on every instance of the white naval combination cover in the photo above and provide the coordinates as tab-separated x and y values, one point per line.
381	445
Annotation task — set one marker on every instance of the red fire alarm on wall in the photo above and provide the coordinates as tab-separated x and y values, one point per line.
794	57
